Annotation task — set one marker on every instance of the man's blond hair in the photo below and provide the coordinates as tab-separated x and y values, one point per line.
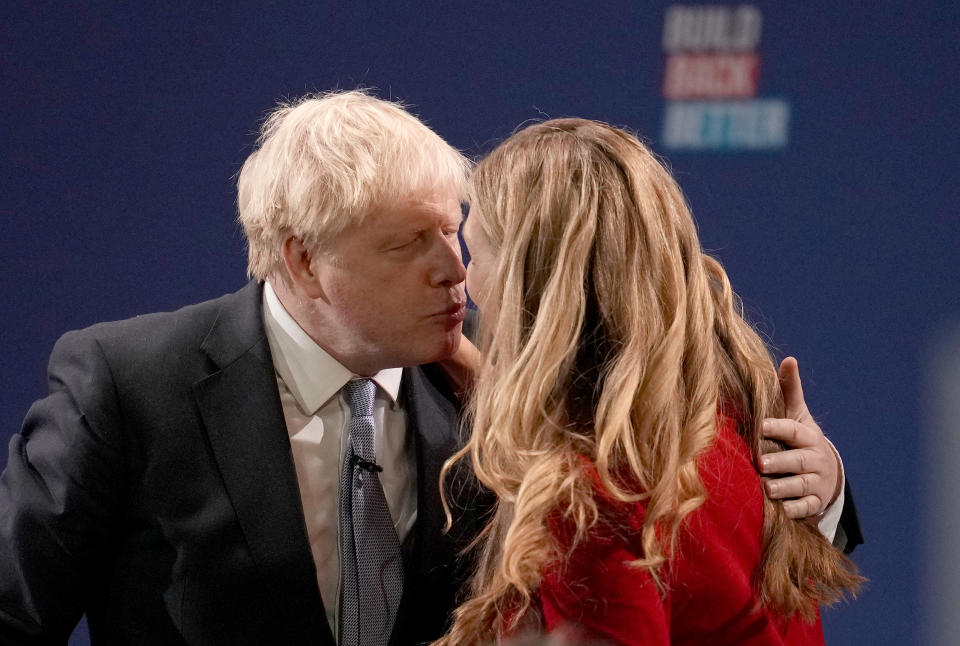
324	162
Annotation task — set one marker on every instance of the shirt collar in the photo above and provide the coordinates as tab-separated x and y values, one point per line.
311	374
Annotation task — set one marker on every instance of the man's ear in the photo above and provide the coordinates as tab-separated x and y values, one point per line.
299	262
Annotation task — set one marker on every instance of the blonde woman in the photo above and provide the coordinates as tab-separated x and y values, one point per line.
617	413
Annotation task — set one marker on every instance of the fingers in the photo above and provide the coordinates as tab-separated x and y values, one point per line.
792	389
802	507
810	487
799	461
798	486
792	432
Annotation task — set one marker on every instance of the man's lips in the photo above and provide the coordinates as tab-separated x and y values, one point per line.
453	314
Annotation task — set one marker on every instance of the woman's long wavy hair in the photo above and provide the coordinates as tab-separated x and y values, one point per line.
617	342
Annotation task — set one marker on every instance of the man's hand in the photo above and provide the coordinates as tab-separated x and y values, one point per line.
463	366
813	460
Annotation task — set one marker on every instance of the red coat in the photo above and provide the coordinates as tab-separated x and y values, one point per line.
711	598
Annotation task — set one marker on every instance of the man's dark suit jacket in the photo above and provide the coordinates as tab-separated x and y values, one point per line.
154	490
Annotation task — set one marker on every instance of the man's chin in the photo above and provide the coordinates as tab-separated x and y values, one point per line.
449	346
430	349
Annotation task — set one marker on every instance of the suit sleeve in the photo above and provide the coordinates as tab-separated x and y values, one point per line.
59	497
848	534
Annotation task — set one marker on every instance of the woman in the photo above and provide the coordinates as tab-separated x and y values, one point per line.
616	414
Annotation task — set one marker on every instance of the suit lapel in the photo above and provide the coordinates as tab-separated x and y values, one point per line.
433	420
244	421
436	569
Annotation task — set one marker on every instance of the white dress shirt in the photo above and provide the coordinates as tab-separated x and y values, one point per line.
830	520
316	416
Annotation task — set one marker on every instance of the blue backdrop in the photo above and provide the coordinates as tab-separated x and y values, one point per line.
819	149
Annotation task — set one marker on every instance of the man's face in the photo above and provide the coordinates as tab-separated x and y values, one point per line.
393	286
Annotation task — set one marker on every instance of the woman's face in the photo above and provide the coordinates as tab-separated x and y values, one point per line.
482	258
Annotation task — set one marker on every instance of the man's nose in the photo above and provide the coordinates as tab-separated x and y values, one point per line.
448	269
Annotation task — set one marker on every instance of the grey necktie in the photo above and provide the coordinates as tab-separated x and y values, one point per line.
372	564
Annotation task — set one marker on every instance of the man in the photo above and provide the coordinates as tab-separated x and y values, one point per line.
194	477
